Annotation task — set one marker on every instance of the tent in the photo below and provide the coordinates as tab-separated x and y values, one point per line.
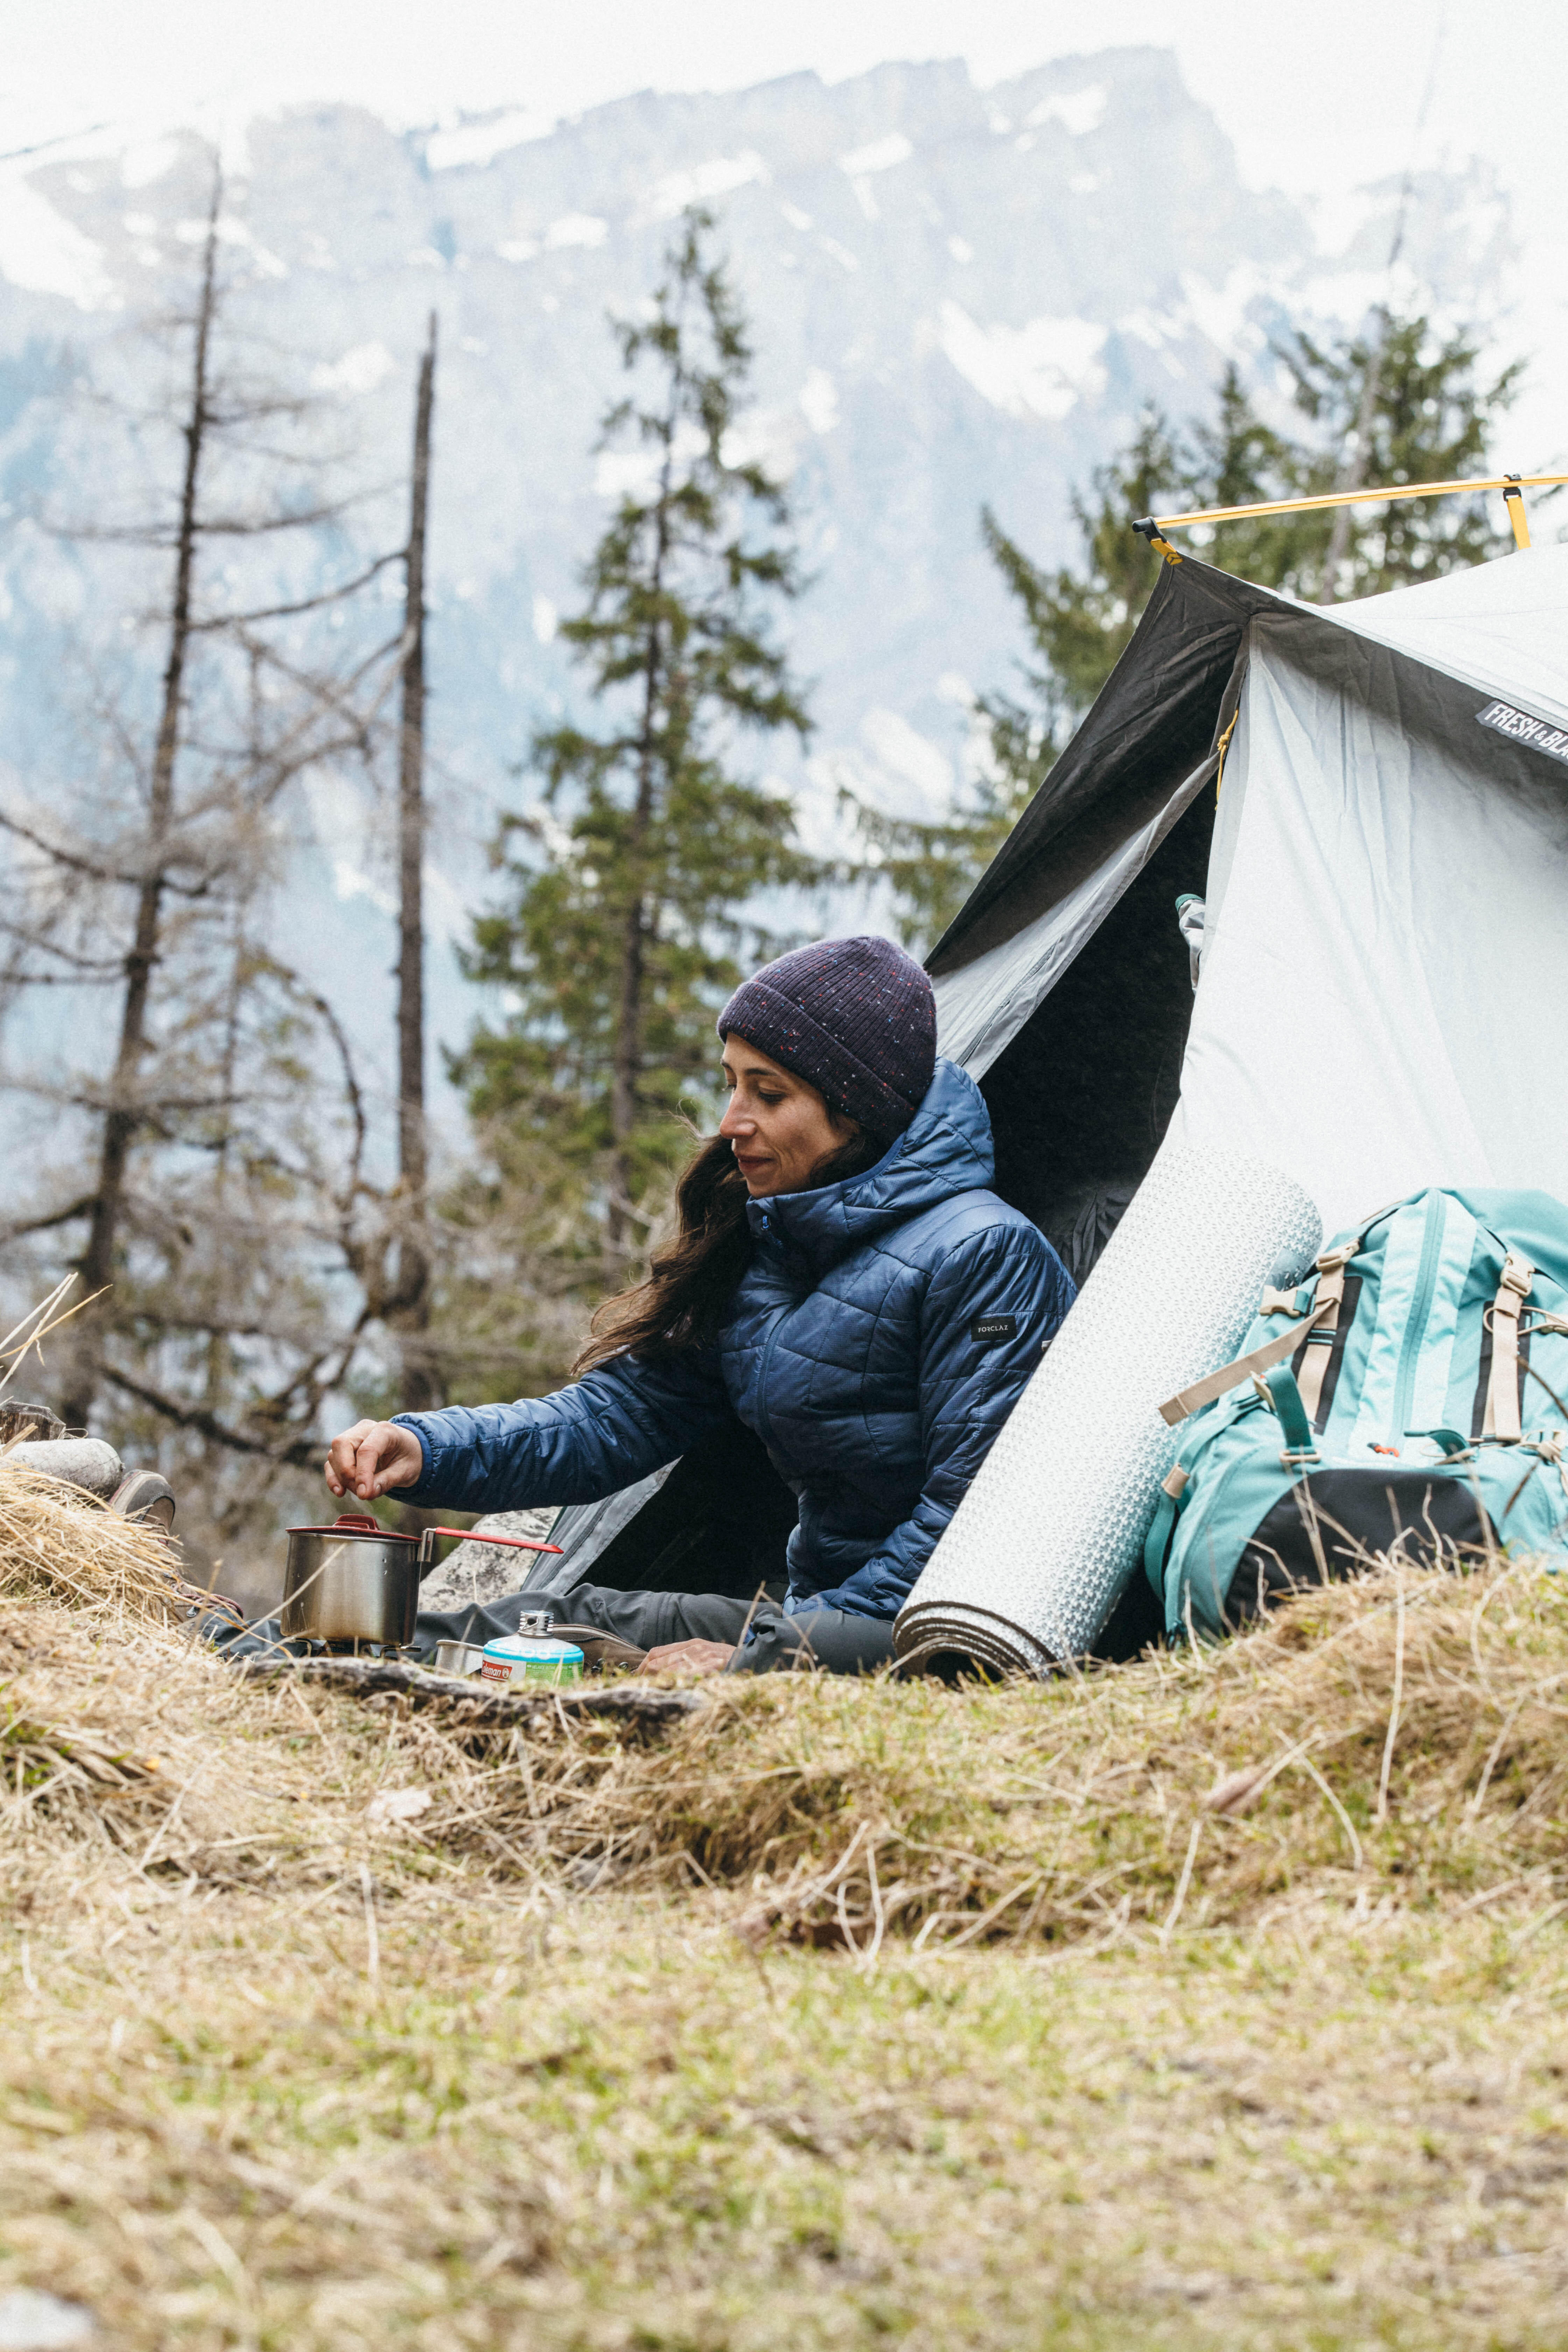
1372	800
1385	971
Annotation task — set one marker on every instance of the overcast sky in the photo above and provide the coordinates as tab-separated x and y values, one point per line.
1317	98
1311	95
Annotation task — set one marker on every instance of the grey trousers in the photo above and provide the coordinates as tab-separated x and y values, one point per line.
830	1639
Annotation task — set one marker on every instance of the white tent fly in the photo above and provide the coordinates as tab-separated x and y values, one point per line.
1384	998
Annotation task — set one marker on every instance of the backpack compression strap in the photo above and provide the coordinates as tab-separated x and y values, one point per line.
1329	1298
1502	1318
1320	1323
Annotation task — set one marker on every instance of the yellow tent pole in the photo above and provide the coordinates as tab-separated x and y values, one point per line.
1513	499
1154	526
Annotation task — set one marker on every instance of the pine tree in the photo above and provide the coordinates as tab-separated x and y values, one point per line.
1238	461
631	888
930	867
1077	623
1426	417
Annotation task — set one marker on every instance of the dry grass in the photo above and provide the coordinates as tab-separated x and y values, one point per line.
1229	1779
1407	1733
56	1539
335	2025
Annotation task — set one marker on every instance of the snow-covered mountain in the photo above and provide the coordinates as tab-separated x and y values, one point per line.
958	297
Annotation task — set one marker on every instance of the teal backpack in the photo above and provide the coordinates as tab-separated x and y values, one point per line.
1412	1393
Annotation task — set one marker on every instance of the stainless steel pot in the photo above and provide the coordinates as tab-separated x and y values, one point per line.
357	1581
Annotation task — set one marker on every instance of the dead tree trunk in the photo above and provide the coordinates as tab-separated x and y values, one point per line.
640	917
629	1011
122	1118
413	1286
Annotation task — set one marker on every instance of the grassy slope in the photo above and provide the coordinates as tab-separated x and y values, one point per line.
282	2069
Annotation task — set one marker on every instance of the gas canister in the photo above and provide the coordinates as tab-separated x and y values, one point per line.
532	1658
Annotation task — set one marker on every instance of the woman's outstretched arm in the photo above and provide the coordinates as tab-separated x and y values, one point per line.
609	1429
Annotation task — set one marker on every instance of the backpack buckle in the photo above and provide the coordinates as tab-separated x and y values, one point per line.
1518	1275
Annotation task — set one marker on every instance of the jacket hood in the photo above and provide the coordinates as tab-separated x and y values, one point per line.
945	1150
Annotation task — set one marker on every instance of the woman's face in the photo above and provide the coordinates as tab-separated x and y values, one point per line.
779	1128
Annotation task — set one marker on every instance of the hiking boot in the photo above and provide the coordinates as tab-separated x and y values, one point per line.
145	1496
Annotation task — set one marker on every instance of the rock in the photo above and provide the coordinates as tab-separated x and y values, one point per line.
390	1808
481	1572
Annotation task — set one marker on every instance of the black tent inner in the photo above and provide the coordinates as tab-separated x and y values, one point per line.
1077	1020
1081	1097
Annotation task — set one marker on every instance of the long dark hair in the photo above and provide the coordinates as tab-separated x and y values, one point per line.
692	1281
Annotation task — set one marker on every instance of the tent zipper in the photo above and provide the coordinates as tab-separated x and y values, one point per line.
1415	1325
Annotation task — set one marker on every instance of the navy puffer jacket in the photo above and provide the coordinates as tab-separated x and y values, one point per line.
877	1343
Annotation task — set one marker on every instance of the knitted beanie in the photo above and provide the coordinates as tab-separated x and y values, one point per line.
855	1018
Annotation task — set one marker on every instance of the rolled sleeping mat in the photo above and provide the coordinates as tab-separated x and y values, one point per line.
1042	1546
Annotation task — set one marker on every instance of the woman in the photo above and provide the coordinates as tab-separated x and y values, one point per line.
843	1280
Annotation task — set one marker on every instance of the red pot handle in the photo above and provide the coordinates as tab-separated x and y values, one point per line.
472	1534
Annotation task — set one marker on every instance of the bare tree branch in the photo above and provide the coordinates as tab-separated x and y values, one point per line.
47	1223
308	604
92	969
298	1453
161	541
91	868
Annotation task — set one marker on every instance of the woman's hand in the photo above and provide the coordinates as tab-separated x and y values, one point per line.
692	1658
372	1457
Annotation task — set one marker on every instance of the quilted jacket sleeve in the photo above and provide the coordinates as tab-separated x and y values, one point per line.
969	1384
609	1429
